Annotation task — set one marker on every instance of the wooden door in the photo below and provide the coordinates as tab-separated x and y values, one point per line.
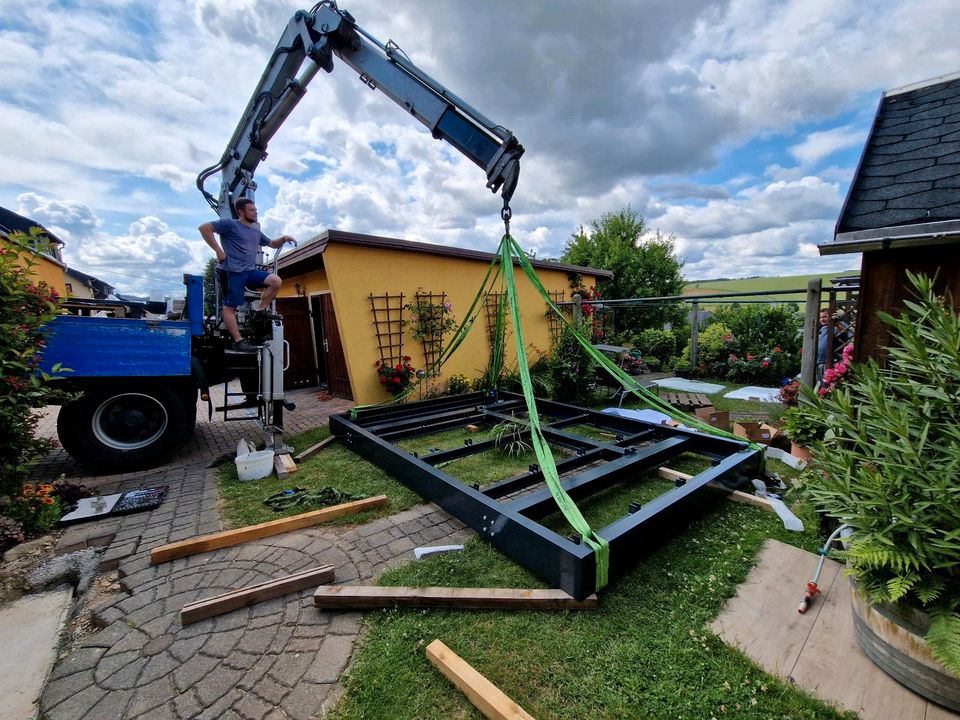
302	371
330	348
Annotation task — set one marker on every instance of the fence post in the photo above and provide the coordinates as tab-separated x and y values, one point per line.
811	328
577	309
694	332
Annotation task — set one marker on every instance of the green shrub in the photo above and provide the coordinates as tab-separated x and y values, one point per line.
572	370
888	466
759	328
712	351
659	344
25	306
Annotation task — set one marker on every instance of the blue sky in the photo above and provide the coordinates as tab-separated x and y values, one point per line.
733	126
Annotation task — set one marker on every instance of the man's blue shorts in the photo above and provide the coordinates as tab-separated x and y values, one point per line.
238	281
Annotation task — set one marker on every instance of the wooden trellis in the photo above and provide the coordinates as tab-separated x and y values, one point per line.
556	323
387	312
431	328
493	301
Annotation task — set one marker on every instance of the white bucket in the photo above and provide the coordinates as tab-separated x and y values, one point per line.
255	465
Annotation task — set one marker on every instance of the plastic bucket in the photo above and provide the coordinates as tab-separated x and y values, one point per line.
255	465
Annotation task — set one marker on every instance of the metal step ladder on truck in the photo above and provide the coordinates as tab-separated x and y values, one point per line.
139	379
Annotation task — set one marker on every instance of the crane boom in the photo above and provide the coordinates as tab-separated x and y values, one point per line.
308	44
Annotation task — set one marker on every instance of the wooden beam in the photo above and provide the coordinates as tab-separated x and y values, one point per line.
284	466
735	495
228	538
314	449
220	604
485	696
372	596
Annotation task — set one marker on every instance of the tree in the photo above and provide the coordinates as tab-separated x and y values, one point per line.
643	265
209	287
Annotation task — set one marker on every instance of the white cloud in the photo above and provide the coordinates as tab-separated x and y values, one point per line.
819	145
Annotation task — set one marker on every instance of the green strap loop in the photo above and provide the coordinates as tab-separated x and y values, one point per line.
548	466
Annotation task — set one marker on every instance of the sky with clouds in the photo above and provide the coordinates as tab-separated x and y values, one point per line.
734	126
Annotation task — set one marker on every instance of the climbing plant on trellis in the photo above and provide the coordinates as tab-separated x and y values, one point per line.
387	312
431	317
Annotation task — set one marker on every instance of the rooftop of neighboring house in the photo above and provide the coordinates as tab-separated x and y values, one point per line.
906	189
11	222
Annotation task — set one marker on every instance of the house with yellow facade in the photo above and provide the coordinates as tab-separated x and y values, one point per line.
348	302
49	265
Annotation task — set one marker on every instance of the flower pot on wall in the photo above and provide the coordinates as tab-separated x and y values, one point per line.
800	452
892	637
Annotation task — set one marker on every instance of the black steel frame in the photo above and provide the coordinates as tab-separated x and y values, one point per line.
511	524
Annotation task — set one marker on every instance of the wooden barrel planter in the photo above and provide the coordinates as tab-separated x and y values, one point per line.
893	638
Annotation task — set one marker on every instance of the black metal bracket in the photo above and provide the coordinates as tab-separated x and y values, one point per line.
506	512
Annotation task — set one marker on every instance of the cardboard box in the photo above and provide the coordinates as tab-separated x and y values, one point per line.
755	432
718	419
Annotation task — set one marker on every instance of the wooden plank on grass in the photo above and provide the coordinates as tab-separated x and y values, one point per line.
314	449
220	604
371	596
228	538
735	495
485	696
284	466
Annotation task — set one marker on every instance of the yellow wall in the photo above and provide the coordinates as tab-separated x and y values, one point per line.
311	282
50	271
355	272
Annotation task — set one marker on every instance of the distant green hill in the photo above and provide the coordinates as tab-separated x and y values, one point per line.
785	282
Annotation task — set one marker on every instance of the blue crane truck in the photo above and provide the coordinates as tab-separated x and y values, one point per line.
138	379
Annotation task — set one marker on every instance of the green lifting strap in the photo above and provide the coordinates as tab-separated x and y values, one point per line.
601	548
626	380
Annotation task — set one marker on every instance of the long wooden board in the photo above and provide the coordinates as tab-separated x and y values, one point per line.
220	604
284	466
228	538
314	449
485	696
371	596
735	495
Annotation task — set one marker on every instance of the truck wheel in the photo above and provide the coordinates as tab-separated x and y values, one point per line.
129	427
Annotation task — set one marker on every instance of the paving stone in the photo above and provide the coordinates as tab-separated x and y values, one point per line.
74	707
124	677
290	667
77	661
185	648
401	546
345	623
220	644
304	702
252	708
112	705
270	690
256	674
112	663
187	705
216	683
158	666
167	711
330	660
193	671
59	690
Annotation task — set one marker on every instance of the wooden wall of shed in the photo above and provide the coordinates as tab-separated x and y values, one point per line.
884	287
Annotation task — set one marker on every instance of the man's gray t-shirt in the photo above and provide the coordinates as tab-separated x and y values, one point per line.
240	243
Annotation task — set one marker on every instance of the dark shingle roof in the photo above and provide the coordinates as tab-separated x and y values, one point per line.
12	222
908	180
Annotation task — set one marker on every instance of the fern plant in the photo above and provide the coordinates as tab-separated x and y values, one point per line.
888	466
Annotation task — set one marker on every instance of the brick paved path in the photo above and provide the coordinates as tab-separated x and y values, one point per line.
277	659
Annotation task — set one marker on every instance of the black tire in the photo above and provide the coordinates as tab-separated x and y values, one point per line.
127	426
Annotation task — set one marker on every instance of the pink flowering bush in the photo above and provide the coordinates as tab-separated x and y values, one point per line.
840	371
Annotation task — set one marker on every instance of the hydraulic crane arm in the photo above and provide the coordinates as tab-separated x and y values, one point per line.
312	39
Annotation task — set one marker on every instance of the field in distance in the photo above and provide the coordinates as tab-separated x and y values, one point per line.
761	284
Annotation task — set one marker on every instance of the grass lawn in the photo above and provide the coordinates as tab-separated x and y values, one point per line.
645	653
335	466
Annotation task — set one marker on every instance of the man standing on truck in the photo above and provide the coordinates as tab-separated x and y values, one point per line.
241	239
